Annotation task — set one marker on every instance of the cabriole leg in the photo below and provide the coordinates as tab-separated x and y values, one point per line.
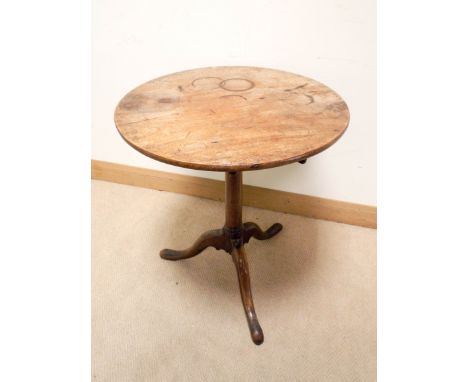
240	260
214	238
252	229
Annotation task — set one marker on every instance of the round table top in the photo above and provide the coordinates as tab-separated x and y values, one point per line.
231	118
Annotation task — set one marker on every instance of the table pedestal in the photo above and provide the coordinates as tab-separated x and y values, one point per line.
232	238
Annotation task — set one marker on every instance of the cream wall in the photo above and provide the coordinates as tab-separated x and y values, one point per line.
331	41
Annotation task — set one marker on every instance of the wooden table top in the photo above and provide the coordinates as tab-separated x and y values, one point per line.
231	118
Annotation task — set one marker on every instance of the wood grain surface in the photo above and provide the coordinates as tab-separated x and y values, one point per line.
231	118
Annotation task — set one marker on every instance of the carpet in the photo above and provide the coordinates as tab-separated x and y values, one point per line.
313	285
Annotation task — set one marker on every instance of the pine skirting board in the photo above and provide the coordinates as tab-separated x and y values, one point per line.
305	205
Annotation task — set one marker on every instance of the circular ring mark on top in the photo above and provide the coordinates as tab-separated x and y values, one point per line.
204	78
236	84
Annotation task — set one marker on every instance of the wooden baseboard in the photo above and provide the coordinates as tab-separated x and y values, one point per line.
304	205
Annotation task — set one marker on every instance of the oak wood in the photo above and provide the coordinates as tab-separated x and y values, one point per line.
251	229
231	118
214	238
231	239
274	200
233	199
242	266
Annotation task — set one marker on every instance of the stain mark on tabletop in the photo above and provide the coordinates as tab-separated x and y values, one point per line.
204	78
165	100
311	98
180	88
337	107
233	95
297	87
236	84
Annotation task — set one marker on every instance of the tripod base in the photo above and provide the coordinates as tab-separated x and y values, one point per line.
223	239
231	238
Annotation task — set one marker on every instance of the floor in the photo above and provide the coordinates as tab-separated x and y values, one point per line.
314	288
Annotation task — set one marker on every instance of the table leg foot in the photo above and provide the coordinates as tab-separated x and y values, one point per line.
214	238
240	260
252	229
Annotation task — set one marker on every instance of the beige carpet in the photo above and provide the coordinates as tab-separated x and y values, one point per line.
155	320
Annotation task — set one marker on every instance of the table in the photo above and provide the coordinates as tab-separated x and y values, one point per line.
231	119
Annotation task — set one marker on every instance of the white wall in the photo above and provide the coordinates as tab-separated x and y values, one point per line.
332	41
